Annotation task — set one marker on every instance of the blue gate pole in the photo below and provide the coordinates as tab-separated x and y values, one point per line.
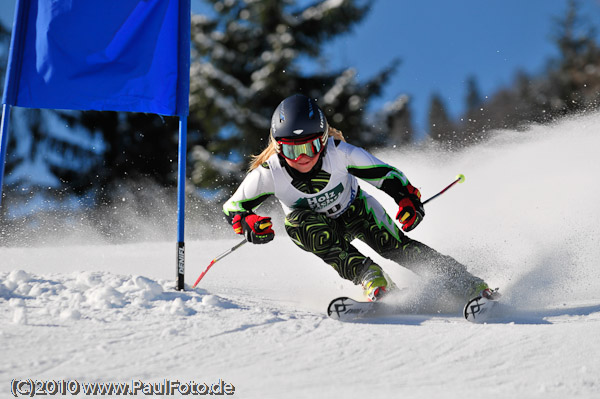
183	106
181	203
3	142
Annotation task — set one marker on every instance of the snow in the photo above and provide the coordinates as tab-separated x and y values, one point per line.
526	220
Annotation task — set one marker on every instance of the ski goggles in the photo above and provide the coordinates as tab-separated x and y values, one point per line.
293	149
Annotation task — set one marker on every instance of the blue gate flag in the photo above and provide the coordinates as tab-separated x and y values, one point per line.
121	55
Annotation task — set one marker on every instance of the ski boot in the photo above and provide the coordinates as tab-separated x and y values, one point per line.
484	291
374	282
480	307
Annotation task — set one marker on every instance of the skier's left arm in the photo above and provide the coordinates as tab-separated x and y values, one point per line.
388	179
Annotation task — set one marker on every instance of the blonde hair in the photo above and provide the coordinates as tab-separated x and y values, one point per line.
261	158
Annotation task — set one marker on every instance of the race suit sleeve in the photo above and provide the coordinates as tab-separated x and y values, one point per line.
369	168
253	191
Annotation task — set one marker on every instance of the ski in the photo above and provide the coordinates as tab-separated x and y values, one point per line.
479	309
347	309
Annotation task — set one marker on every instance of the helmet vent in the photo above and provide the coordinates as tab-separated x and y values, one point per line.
311	112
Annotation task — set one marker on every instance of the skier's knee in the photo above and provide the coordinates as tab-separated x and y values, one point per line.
311	231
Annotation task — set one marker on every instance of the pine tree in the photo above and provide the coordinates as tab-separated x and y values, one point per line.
577	73
473	99
249	56
136	147
475	122
399	123
4	44
440	126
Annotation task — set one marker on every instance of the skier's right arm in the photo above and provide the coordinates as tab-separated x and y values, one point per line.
239	209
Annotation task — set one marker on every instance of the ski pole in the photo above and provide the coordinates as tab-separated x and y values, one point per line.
459	179
218	258
264	225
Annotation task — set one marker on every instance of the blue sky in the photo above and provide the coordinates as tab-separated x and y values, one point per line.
443	42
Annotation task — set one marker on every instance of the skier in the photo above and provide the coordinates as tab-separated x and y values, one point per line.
313	172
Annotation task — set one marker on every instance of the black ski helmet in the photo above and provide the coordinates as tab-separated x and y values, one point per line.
298	116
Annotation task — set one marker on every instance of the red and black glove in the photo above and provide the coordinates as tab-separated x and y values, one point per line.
411	210
257	229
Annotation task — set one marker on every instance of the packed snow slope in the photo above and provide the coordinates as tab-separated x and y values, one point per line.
526	220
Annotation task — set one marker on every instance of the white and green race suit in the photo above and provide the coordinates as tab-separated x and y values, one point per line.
326	209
